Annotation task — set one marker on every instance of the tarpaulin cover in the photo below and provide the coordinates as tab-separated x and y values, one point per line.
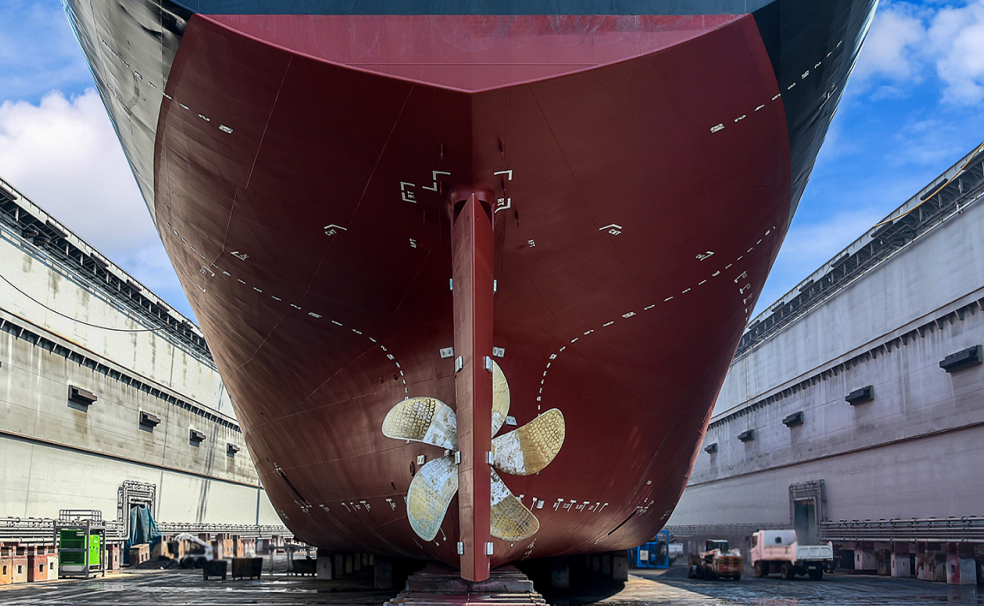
143	529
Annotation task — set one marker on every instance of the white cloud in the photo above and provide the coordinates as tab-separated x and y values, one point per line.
889	51
64	156
910	42
956	38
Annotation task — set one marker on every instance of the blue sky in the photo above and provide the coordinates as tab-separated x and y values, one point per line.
914	106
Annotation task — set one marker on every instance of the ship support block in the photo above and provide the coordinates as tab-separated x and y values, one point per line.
472	248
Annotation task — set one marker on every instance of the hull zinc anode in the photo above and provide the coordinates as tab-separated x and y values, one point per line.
637	173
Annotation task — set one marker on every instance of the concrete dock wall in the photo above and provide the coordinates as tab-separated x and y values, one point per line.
43	479
911	288
56	453
146	353
64	315
911	451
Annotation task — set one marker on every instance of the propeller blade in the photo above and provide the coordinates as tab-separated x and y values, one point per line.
527	450
500	398
426	420
430	495
510	519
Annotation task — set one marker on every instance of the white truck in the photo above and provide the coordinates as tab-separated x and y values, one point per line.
779	551
197	559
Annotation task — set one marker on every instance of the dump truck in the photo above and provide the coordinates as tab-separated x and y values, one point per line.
779	551
717	560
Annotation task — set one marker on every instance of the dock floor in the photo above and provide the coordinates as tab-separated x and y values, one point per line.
644	588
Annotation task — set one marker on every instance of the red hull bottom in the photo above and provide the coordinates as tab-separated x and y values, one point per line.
630	240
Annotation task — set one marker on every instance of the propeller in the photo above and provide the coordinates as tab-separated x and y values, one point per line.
521	452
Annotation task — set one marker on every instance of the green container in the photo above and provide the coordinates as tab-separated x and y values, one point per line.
72	538
95	550
73	553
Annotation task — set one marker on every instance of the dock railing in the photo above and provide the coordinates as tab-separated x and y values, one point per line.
942	530
39	531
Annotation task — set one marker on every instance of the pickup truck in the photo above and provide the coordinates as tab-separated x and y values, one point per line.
779	551
717	560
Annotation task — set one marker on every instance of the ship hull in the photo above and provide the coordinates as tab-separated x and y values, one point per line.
640	173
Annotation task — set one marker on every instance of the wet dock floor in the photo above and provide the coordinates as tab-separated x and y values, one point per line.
645	588
651	588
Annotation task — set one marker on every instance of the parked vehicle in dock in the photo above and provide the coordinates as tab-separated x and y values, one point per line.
199	557
717	560
651	554
779	551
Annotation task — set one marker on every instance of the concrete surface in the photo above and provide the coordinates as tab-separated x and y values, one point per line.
910	452
59	454
88	303
945	263
665	588
644	588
